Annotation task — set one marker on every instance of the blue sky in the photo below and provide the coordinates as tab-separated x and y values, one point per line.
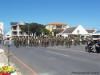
72	12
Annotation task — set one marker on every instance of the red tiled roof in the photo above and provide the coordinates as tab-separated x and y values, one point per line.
90	30
57	23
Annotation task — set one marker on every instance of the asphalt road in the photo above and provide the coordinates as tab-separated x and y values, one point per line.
57	61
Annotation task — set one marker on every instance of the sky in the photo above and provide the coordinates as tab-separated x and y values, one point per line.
72	12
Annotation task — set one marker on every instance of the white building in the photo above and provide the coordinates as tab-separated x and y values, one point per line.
1	28
91	31
56	26
16	29
78	30
96	35
8	35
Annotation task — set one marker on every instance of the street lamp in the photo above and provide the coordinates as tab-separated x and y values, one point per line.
8	54
28	34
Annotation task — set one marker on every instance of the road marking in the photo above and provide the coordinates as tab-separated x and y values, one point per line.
46	74
25	65
67	50
75	58
58	53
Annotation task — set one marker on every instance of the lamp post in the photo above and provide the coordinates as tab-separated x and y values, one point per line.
28	34
8	54
8	44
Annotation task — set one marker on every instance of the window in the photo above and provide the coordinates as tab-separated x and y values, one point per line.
14	28
96	36
54	27
78	31
59	26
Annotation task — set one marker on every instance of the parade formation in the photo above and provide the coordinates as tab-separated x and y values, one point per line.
49	37
46	41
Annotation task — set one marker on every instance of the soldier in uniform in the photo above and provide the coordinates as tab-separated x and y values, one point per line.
14	40
69	42
32	41
17	42
57	41
22	41
52	41
66	42
75	41
37	41
47	42
62	41
41	41
78	40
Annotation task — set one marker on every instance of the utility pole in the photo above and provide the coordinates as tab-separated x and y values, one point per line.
28	34
8	54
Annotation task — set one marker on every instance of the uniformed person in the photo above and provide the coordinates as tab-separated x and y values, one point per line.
69	42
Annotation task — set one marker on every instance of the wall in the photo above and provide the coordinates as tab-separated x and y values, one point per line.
2	27
80	30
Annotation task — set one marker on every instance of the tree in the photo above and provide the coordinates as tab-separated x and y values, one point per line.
56	31
32	28
45	32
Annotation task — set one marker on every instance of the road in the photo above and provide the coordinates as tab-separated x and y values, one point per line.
56	61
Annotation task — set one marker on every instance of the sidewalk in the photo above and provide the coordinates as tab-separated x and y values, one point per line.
4	61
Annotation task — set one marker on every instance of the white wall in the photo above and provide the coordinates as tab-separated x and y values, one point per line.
80	30
2	28
8	35
67	26
47	27
64	35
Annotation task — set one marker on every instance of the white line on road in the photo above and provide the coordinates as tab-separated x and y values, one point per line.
46	74
67	50
75	58
58	53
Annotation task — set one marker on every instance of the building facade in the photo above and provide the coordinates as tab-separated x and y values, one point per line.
90	31
78	30
8	35
1	31
16	29
1	28
96	35
56	26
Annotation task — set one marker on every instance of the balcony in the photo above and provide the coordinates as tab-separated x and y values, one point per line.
14	23
14	29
